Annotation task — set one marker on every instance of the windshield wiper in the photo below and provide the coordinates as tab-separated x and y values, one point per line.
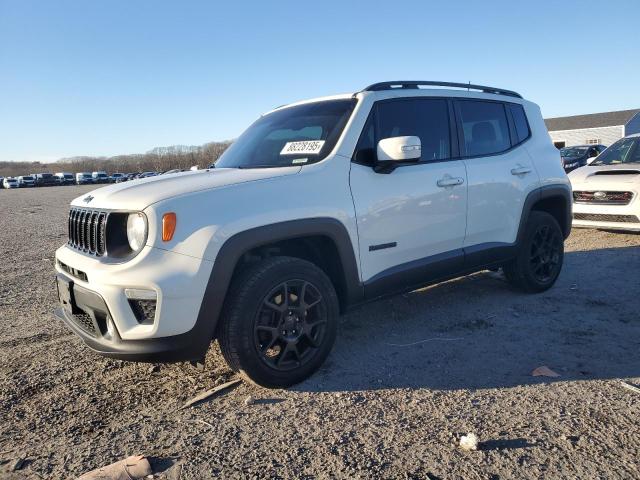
266	165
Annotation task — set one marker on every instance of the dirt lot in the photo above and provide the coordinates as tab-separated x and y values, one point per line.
407	378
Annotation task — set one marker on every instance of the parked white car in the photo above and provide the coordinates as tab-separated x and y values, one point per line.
26	181
100	177
65	178
10	182
605	192
83	178
317	207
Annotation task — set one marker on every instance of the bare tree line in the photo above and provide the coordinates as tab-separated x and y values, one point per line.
157	160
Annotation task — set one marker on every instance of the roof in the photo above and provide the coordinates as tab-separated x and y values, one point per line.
593	120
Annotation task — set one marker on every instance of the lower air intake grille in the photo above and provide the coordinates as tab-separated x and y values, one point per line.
84	321
598	217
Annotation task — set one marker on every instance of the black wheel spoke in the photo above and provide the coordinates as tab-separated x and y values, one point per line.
312	341
275	334
290	347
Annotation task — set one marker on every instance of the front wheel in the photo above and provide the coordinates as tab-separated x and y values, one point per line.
540	255
279	322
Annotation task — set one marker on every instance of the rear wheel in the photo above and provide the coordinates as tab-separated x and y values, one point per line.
279	321
540	257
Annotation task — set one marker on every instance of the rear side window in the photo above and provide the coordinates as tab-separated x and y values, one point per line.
484	127
520	122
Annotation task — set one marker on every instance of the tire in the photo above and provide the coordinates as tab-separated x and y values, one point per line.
540	256
279	321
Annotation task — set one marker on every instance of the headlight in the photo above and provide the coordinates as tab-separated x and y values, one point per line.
136	231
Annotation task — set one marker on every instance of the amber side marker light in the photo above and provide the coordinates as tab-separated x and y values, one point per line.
168	226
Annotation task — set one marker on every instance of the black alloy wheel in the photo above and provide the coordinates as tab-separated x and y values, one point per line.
546	253
279	322
289	327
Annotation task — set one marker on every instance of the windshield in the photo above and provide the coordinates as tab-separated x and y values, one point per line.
86	175
27	178
297	135
46	175
68	175
572	152
626	150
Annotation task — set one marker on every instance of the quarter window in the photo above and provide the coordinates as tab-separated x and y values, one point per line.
520	122
484	127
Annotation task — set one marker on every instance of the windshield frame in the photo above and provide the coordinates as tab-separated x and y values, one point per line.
232	158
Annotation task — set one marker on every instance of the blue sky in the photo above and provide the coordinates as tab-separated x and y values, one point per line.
111	77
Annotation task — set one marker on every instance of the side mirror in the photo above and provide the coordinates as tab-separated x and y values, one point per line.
395	151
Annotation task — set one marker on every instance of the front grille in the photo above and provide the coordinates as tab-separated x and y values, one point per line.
84	321
602	197
87	230
599	217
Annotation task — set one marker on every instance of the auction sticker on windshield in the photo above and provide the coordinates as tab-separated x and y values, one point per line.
310	147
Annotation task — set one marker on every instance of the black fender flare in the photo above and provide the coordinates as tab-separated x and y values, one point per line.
548	191
237	245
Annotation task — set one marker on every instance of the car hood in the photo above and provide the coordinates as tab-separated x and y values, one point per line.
606	174
139	194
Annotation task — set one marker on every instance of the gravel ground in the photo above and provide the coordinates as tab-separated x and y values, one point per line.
407	378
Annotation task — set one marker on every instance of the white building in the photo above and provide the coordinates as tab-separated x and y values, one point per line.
596	128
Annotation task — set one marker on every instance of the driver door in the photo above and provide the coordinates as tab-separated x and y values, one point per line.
412	221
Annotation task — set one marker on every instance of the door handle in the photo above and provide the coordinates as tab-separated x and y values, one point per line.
448	181
520	171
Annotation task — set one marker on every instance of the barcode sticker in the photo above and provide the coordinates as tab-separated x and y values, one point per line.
310	147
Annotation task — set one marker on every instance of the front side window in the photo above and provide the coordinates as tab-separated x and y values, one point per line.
484	127
626	150
425	118
297	135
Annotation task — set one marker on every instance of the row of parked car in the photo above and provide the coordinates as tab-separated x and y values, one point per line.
80	178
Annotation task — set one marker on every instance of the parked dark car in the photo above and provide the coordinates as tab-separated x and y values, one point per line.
45	179
118	178
579	155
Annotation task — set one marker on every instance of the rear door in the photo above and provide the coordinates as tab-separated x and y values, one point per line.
500	171
419	210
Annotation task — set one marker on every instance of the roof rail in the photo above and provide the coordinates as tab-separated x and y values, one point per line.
413	84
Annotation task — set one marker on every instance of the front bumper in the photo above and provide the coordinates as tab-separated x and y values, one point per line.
102	315
92	310
608	217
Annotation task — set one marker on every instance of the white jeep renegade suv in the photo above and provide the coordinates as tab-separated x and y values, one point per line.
319	206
